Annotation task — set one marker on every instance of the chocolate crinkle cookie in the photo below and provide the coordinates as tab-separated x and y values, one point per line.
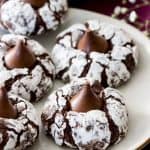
19	125
96	50
32	17
26	68
85	116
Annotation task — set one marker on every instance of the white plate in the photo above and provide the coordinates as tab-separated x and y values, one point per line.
136	91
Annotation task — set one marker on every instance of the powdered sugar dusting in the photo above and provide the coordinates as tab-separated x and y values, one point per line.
48	17
112	64
20	17
23	130
87	129
120	117
83	130
35	81
15	19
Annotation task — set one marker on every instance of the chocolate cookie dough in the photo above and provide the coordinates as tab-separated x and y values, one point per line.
32	17
83	115
18	122
96	50
26	68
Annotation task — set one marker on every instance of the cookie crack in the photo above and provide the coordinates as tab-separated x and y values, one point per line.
39	23
34	126
61	72
115	98
58	14
43	67
6	129
86	67
104	78
45	70
8	83
112	126
68	133
129	62
62	37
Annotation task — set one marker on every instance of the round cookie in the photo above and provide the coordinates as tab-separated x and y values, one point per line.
19	124
31	17
95	50
85	116
26	68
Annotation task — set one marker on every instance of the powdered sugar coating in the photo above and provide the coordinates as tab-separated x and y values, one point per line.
22	18
92	129
31	84
21	132
112	68
113	100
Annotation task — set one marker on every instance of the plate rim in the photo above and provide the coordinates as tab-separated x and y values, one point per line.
144	144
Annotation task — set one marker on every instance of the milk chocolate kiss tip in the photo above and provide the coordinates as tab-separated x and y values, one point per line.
6	108
20	56
92	42
36	3
85	100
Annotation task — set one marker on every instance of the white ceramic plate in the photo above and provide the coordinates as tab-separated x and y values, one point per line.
136	91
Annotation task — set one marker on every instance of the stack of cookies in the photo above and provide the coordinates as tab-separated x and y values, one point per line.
91	58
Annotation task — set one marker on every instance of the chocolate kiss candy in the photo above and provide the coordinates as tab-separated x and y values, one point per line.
85	100
6	108
91	42
19	56
36	3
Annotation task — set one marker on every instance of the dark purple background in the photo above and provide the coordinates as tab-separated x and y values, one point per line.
141	7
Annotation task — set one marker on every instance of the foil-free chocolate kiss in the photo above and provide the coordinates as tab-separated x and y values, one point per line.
20	56
6	108
86	100
92	42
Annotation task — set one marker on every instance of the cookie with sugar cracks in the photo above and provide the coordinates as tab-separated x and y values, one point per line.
26	68
96	50
19	124
85	116
30	17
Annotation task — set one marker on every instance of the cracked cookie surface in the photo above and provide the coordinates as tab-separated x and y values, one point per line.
113	68
95	129
21	132
20	17
30	83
